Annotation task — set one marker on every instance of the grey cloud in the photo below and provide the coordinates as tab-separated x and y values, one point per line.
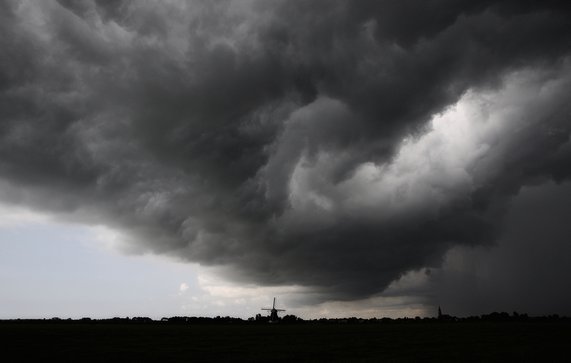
239	136
527	272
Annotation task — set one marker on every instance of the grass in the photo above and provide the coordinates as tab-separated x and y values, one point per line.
394	342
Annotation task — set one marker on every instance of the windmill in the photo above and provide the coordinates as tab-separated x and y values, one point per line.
273	312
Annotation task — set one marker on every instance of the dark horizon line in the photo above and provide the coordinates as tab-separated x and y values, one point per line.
290	318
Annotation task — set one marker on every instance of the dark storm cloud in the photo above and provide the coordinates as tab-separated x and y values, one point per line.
528	270
267	137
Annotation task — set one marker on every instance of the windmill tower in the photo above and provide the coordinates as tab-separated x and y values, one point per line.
273	312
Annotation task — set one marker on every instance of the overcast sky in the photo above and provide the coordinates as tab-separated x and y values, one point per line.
368	158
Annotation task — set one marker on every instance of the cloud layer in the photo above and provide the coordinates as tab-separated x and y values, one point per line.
325	144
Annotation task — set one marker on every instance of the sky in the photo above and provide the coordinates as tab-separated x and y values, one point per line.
370	158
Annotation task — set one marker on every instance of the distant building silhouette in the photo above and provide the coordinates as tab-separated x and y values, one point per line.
445	317
273	312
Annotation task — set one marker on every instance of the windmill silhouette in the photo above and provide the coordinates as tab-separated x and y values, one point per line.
273	312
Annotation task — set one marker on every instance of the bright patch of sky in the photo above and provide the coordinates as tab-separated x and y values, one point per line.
50	269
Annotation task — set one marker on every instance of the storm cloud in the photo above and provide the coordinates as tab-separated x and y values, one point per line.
335	145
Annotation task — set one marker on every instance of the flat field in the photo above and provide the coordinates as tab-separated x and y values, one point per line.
307	342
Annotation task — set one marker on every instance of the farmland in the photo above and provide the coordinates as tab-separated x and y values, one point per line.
309	341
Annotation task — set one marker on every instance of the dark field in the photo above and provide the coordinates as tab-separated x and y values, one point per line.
412	341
